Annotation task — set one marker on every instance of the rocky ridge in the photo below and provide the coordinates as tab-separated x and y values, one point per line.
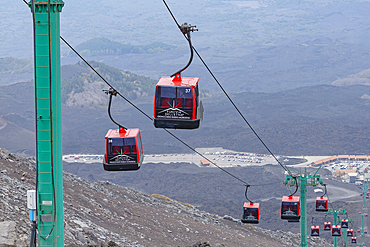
106	214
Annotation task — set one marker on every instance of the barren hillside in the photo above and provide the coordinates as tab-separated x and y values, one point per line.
103	213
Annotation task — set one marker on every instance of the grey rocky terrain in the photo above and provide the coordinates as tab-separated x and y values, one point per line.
106	214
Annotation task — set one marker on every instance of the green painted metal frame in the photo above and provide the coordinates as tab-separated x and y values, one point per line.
362	223
303	181
336	212
365	189
50	217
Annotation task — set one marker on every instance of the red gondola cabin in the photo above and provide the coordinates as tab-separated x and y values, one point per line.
350	232
327	226
290	208
251	213
335	230
124	150
315	231
177	104
354	240
344	223
322	204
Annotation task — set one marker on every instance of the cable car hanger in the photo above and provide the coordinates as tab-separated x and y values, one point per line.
246	192
112	92
325	190
186	29
296	186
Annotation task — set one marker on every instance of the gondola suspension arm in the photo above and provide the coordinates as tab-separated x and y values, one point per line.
112	92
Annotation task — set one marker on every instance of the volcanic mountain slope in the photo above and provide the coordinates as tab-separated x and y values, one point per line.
102	213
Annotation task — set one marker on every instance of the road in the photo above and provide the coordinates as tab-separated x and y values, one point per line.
3	123
219	156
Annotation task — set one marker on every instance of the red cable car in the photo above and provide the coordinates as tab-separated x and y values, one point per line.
251	213
365	231
315	231
344	223
290	208
335	231
350	232
177	104
124	150
354	240
322	204
176	99
327	226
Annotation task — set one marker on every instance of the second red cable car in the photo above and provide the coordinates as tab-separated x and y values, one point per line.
251	213
315	231
321	204
335	231
344	223
350	232
124	150
290	208
327	226
123	147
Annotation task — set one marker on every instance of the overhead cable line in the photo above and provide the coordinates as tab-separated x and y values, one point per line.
232	102
127	100
173	135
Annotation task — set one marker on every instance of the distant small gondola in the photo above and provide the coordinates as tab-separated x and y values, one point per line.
344	223
327	226
315	231
251	213
290	208
335	231
321	204
354	240
350	232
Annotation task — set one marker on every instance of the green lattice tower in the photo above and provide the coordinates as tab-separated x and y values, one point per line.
336	212
50	218
303	180
365	189
344	232
362	223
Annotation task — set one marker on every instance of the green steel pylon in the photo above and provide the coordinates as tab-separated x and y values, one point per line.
362	220
336	212
344	232
303	181
365	189
50	219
